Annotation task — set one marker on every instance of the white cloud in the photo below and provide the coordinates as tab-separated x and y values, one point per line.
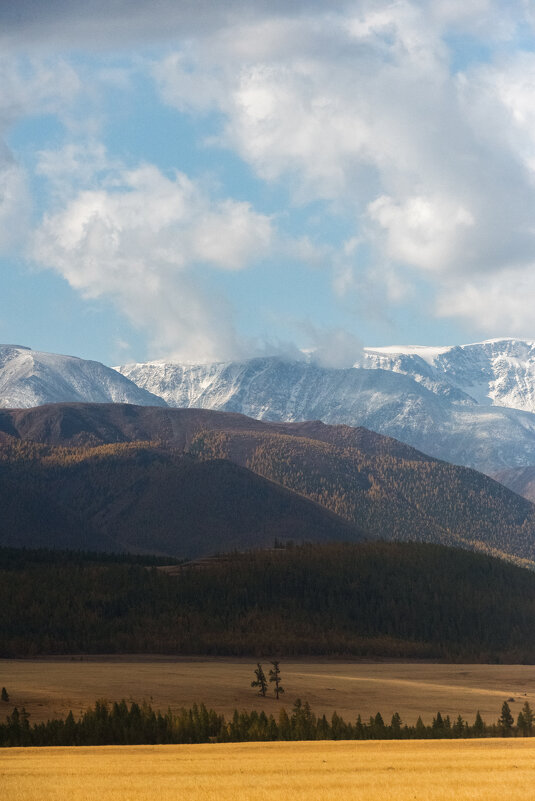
502	301
420	230
29	87
15	204
148	241
352	103
334	347
360	107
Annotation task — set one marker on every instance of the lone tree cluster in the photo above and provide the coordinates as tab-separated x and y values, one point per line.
262	683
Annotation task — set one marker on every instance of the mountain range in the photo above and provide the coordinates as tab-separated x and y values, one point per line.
187	482
32	378
472	405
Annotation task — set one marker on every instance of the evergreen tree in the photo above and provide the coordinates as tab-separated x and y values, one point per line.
395	725
459	727
420	730
438	726
479	727
260	681
506	720
284	725
274	676
528	716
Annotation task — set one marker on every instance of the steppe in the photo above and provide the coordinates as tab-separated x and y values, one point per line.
464	770
49	688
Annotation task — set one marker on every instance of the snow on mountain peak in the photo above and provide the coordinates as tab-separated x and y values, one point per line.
32	378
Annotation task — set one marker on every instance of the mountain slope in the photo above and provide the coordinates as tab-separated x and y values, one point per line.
471	404
29	378
447	424
143	499
498	372
379	485
520	480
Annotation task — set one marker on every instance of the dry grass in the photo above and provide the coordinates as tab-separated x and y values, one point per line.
49	688
484	770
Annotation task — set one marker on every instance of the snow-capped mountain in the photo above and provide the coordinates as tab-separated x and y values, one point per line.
435	416
471	404
498	372
31	378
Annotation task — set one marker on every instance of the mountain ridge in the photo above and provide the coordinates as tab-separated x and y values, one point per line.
29	378
442	421
382	487
449	402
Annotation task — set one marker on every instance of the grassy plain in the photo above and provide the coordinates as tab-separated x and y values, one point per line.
50	687
464	770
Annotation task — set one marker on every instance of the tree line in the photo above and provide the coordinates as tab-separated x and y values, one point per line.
121	723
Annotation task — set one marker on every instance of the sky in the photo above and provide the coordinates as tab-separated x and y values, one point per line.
205	181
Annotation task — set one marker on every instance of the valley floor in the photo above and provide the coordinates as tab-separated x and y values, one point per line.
49	688
464	770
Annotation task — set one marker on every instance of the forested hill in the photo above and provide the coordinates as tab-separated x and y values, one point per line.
374	485
142	498
406	600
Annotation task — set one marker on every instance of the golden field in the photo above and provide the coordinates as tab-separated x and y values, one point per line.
49	688
464	770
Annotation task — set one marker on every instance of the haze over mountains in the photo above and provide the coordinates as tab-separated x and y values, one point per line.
472	405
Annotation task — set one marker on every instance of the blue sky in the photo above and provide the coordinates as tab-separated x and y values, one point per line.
206	181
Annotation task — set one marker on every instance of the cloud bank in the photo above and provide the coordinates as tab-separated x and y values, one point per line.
412	122
366	109
149	242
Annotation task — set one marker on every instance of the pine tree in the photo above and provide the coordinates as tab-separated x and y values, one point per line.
420	729
528	716
479	727
459	727
395	724
274	676
260	681
506	720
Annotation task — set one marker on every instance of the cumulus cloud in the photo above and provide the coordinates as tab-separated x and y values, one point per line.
28	87
365	107
422	144
149	242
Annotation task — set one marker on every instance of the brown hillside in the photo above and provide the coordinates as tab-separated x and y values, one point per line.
376	483
144	499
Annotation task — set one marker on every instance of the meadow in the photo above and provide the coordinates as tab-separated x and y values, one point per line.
49	688
465	770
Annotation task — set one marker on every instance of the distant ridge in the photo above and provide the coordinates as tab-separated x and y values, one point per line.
31	378
454	404
469	404
124	465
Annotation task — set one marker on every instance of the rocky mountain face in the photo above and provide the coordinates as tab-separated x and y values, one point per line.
422	408
31	378
498	372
